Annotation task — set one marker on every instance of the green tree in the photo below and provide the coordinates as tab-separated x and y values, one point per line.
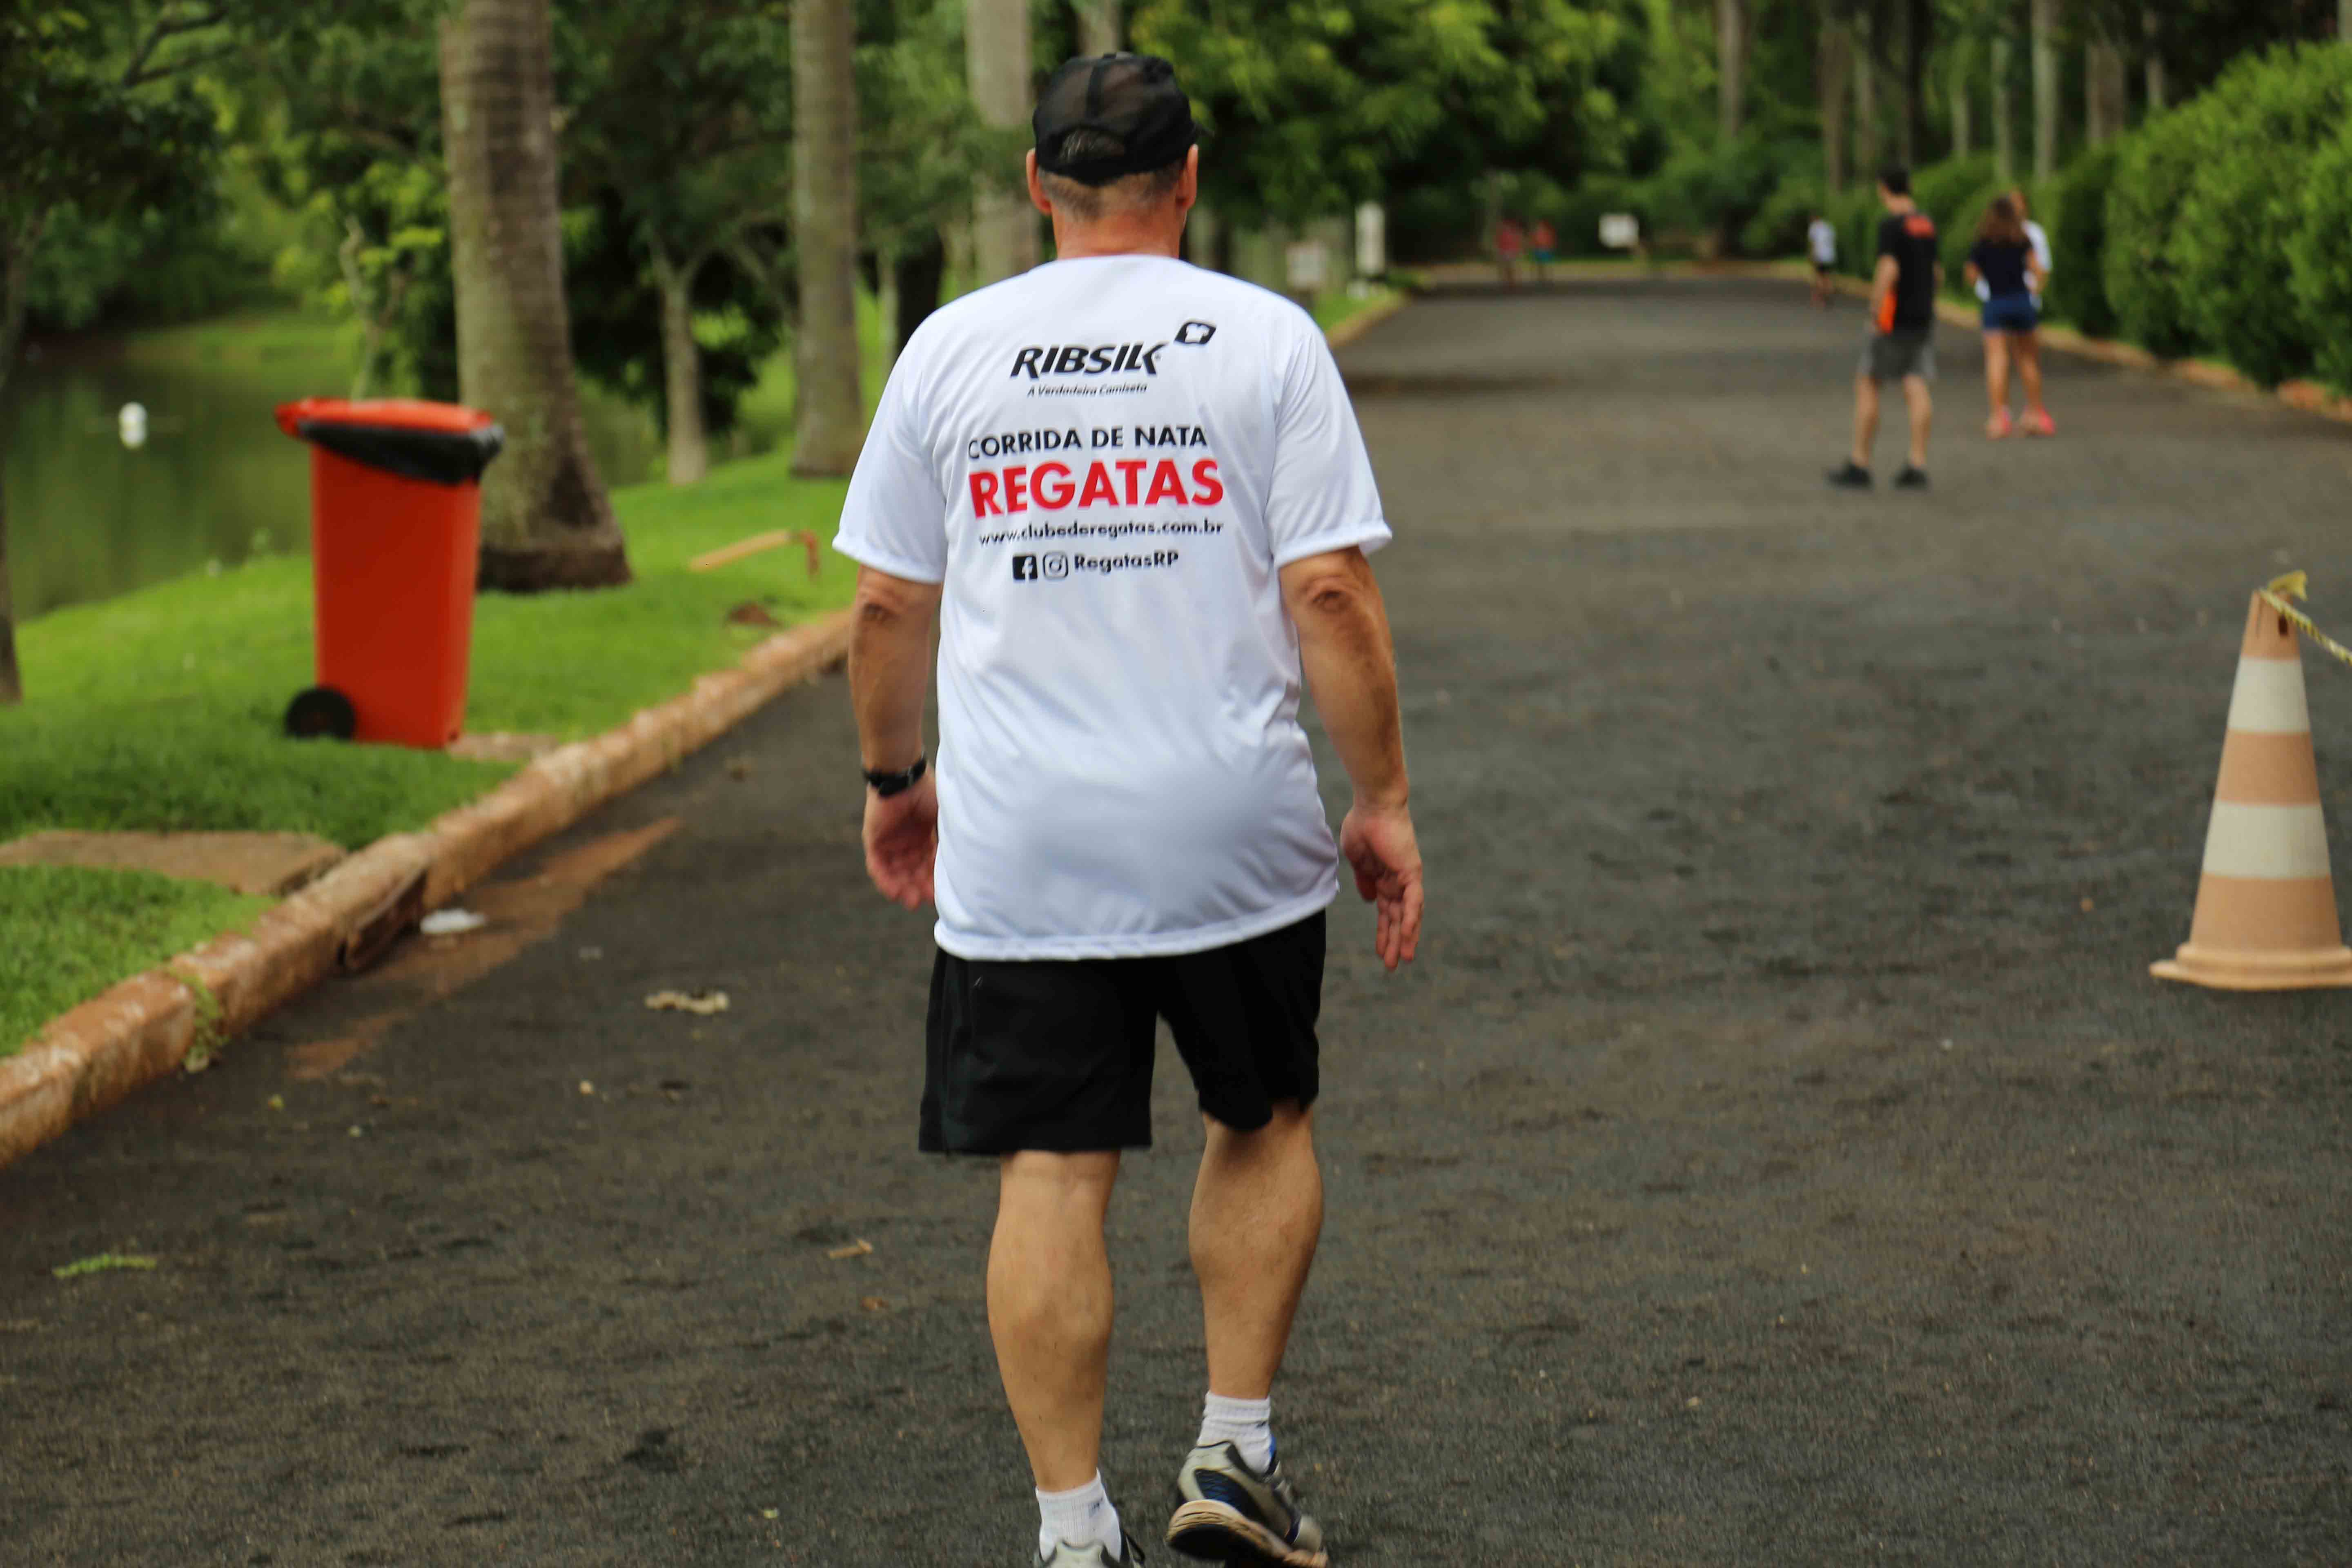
100	118
679	134
1316	107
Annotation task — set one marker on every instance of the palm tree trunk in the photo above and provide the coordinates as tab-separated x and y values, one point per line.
15	296
546	522
1918	35
1963	100
2103	91
1730	68
1865	95
2044	16
996	62
917	274
1098	27
2004	113
689	444
12	682
829	412
1833	77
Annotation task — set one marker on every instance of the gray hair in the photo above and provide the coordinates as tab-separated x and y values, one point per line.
1128	194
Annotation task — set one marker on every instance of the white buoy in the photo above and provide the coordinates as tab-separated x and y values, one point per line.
132	422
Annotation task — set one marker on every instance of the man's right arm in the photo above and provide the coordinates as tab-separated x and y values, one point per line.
1882	284
1345	650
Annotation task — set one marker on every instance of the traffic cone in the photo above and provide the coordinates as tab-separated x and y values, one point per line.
2265	915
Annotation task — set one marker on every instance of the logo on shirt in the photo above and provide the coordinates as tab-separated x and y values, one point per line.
1076	359
1192	334
1025	569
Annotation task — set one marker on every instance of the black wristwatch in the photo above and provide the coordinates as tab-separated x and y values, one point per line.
888	784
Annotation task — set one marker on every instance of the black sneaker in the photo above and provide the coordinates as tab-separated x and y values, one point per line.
1242	1517
1851	476
1911	479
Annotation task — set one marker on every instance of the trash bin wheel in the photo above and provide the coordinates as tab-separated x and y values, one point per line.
321	711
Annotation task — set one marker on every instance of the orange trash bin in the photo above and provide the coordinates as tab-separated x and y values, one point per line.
395	525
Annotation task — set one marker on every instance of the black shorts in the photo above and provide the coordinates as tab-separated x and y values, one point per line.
1056	1055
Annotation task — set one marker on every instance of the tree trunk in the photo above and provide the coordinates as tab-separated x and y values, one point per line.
2044	15
1730	68
2004	113
996	61
1865	97
2151	47
1206	239
689	444
1963	102
1911	53
919	272
2103	91
15	296
545	520
12	683
1832	77
828	411
1098	27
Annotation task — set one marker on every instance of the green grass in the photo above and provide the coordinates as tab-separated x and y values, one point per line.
67	935
160	710
1336	305
243	337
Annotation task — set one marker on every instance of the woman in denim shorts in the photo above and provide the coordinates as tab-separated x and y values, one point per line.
2002	260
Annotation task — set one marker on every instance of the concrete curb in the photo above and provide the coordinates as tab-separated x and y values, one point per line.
87	1060
1364	321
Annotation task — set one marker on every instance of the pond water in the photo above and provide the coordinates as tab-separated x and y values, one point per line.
89	518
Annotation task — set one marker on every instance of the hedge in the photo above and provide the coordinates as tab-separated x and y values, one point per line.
2078	230
2244	202
2319	258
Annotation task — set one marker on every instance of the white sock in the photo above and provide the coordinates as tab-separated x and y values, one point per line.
1246	1424
1082	1517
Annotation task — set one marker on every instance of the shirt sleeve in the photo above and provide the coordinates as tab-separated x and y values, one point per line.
894	517
1323	496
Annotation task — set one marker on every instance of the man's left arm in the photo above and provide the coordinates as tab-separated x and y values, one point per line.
890	675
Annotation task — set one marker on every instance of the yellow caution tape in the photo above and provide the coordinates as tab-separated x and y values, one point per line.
2296	585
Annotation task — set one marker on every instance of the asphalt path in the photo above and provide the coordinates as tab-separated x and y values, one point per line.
1780	1154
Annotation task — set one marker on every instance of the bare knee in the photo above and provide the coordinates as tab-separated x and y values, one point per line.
1035	1180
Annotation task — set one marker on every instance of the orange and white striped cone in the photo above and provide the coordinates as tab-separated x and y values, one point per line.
2265	915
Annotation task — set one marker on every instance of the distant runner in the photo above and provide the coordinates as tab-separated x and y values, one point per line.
1820	243
1546	243
1902	345
1509	241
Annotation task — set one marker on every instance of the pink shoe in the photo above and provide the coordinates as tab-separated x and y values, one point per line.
1997	425
2039	423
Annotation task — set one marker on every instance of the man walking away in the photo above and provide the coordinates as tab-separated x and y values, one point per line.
1136	497
1820	243
1902	345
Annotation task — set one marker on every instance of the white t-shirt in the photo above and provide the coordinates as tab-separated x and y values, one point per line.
1106	461
1823	236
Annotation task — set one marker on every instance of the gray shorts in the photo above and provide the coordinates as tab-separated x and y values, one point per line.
1897	356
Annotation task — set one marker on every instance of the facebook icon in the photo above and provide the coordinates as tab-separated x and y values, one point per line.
1025	569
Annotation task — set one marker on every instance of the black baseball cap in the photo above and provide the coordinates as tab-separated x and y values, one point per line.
1133	98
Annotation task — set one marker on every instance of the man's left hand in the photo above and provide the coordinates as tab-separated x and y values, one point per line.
902	842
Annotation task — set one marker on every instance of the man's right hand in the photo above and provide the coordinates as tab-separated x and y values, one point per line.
902	842
1379	845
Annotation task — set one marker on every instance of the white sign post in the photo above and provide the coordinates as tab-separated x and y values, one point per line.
1621	231
1371	240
